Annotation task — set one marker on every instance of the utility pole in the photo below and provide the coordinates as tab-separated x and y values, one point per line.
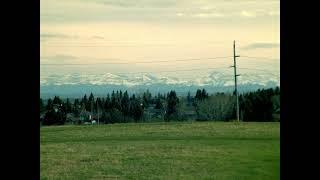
235	77
98	112
91	110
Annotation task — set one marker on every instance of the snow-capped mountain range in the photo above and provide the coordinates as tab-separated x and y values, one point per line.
77	84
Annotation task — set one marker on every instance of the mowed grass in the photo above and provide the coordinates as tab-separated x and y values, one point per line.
198	150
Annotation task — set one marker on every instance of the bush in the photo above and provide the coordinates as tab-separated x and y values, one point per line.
219	107
54	118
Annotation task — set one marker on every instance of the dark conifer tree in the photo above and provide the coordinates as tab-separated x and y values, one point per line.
49	105
125	103
158	104
76	108
107	103
113	100
68	106
204	94
198	95
120	95
57	100
84	101
189	99
172	101
42	107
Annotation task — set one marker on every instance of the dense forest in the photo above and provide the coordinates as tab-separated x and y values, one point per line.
120	107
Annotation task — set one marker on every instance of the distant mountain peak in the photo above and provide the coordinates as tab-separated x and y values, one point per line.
77	83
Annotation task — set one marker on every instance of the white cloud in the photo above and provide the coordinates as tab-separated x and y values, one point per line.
97	37
207	8
74	11
274	13
180	14
77	28
248	14
208	15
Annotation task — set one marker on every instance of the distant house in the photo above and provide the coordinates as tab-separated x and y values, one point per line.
72	119
85	116
56	107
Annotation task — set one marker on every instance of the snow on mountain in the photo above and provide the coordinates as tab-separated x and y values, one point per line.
213	78
80	83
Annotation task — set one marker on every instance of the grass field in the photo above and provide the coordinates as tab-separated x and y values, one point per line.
198	150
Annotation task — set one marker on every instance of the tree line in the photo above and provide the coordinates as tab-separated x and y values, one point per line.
120	107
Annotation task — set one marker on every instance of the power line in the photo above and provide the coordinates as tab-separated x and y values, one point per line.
194	69
268	58
181	70
175	70
95	46
250	64
154	42
260	60
255	69
137	62
124	44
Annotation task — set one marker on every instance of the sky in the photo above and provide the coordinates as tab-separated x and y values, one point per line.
94	33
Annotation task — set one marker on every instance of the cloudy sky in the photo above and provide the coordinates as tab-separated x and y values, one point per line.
129	31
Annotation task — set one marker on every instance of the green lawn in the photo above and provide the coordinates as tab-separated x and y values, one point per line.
198	150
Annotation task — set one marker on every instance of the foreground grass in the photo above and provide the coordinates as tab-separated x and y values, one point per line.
201	150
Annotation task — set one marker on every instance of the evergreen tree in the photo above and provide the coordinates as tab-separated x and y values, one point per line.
117	95
90	103
57	100
204	94
198	95
201	95
98	105
117	104
133	97
189	99
107	103
258	105
53	117
277	91
42	107
145	100
84	101
113	100
120	95
49	104
91	97
105	118
68	106
76	108
125	103
172	101
136	109
102	103
159	105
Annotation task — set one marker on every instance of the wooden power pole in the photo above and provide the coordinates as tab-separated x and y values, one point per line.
235	77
